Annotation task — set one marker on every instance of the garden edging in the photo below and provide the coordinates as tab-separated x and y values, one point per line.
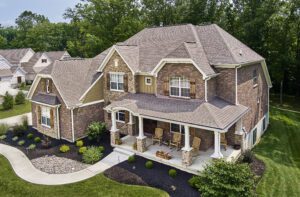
26	171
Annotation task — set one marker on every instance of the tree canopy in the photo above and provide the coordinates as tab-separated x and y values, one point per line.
270	27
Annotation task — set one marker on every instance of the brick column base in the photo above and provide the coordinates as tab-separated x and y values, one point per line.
114	135
141	144
130	128
187	157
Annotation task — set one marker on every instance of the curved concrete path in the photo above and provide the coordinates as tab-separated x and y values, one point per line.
25	170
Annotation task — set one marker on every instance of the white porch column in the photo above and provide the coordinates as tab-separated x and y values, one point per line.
130	118
113	122
141	128
217	154
187	146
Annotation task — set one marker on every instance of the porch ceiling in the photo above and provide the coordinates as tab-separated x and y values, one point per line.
217	114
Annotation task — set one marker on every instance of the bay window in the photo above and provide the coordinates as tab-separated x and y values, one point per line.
117	81
179	87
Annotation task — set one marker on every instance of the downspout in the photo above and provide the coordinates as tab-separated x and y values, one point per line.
236	84
205	86
72	118
58	125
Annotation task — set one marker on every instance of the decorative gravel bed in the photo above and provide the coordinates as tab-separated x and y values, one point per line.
57	165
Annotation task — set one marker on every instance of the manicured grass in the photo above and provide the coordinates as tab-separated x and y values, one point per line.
17	110
280	150
99	185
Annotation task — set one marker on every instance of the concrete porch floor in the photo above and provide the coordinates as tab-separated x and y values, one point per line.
198	164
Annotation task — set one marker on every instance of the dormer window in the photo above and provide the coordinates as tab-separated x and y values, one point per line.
180	87
44	60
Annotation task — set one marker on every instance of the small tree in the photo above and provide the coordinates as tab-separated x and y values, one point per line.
20	98
8	101
224	179
95	130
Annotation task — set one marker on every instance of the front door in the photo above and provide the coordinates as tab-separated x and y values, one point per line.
149	126
19	79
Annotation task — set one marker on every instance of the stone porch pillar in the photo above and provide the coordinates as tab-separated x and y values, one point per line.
217	154
141	139
114	132
130	125
187	149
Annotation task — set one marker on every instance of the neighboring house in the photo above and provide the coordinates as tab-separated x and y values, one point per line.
10	73
17	56
198	81
40	61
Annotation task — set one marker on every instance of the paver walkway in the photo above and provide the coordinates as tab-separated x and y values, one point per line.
25	170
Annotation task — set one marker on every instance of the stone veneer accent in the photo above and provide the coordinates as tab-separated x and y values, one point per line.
141	144
114	135
187	157
187	70
249	95
225	84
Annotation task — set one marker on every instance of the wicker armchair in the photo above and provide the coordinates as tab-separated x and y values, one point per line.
196	146
176	140
158	136
223	141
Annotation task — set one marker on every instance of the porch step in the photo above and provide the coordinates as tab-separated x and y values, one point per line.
122	151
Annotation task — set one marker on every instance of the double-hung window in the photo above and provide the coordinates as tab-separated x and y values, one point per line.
45	113
120	116
117	81
179	87
177	128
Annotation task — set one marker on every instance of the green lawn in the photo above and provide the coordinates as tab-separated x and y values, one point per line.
280	150
17	110
288	102
99	185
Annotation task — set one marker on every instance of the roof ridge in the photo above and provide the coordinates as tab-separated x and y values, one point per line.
218	30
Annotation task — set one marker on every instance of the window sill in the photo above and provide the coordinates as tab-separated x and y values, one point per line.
120	121
47	126
112	90
180	97
254	86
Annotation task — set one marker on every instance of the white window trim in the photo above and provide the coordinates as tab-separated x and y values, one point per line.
45	125
181	128
47	85
117	117
255	78
116	73
179	86
148	84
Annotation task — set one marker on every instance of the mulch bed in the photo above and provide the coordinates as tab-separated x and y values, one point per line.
158	177
39	151
257	167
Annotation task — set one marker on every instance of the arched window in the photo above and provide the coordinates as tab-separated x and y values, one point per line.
180	87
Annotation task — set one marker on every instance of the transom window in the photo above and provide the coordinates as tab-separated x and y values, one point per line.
117	81
120	116
45	113
176	128
179	87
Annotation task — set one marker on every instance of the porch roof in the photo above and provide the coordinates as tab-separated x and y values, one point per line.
48	99
216	114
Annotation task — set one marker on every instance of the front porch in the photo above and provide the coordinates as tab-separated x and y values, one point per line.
198	162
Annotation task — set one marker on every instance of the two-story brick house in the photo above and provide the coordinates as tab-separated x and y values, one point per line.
198	81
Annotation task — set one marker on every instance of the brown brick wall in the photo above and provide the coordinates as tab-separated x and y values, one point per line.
248	95
122	67
83	116
207	138
123	127
225	84
211	89
187	70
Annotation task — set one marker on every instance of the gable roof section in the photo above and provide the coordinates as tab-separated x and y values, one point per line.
14	56
28	66
56	55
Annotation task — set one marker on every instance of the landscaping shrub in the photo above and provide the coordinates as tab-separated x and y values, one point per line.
224	179
101	149
37	140
46	142
3	137
82	150
31	147
92	155
20	130
15	138
21	142
149	164
22	86
64	148
79	143
247	156
20	98
172	173
8	101
95	130
131	159
30	136
3	129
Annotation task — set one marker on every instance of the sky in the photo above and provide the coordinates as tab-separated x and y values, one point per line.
52	9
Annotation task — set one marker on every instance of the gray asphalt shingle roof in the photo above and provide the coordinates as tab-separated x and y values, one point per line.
14	56
46	98
217	114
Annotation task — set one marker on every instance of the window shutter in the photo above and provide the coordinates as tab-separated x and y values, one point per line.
39	114
108	81
125	82
126	116
51	118
166	87
192	88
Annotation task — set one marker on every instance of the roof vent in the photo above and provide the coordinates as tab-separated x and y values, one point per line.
241	52
161	24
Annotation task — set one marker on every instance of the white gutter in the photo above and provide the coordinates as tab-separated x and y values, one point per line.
58	125
236	84
72	118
